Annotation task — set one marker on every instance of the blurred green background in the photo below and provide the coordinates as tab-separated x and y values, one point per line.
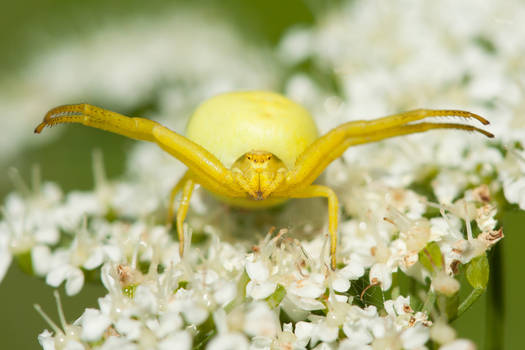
28	27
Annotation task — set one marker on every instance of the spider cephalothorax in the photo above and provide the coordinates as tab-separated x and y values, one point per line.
256	148
259	173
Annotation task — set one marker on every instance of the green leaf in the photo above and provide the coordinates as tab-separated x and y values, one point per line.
241	292
430	257
478	272
205	331
181	284
275	299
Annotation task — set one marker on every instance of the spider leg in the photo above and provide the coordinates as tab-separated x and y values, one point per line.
204	165
400	131
418	114
135	128
333	205
312	162
175	190
187	189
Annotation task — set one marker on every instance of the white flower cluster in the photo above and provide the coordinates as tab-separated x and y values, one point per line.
225	296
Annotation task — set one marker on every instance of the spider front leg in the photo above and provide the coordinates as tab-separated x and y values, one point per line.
204	166
312	162
135	128
333	207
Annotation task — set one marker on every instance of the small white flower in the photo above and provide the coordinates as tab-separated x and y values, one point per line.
311	287
358	336
445	284
257	270
442	333
228	341
47	235
95	259
303	332
323	346
73	345
261	321
341	278
259	286
130	328
225	291
41	258
192	311
352	271
178	340
415	337
146	300
46	340
382	274
296	45
119	343
305	304
485	218
5	253
169	322
340	284
459	344
326	333
94	323
260	290
397	307
73	276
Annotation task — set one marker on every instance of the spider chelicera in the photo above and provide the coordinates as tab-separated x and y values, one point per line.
256	149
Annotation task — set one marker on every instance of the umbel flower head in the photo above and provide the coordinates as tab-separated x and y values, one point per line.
420	208
227	295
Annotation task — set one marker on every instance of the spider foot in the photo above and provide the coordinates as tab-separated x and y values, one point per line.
62	114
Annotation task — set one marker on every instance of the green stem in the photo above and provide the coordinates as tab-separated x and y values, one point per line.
495	319
467	303
429	303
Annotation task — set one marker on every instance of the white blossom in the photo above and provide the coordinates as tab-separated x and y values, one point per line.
459	344
228	341
94	323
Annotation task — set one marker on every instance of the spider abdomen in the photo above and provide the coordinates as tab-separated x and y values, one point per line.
233	124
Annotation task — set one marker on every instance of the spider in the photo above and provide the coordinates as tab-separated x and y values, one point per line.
256	149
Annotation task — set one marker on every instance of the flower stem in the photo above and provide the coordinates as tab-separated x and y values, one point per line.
494	328
467	303
429	303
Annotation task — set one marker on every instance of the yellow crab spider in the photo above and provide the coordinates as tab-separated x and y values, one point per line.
256	149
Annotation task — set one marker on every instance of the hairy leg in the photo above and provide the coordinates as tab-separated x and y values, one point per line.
135	128
312	162
204	165
333	205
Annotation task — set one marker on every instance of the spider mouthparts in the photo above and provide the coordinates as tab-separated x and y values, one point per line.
259	196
